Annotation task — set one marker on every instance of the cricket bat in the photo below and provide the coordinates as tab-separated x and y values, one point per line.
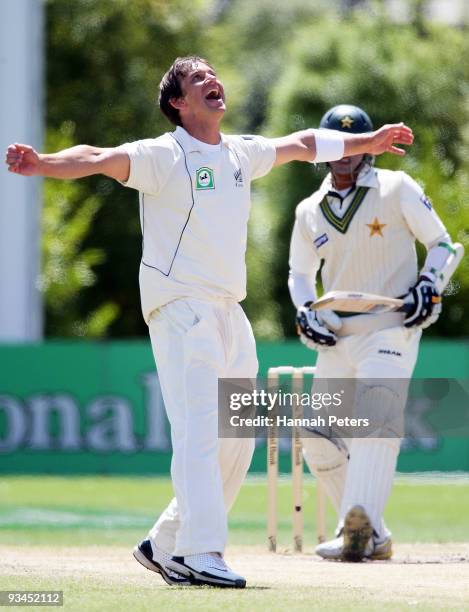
355	301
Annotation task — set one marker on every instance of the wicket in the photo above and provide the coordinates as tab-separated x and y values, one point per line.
297	378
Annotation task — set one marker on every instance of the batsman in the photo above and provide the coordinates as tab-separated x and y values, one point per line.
361	226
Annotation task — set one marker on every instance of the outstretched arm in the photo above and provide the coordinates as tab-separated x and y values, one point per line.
311	145
73	163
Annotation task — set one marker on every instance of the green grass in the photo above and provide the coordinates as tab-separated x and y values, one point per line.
93	595
114	510
105	516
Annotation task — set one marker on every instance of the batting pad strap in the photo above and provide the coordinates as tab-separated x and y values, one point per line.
330	145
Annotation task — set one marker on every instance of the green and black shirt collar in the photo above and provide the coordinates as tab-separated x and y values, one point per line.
342	224
365	181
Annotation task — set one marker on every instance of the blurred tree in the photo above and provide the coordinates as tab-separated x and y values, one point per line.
248	41
395	73
67	268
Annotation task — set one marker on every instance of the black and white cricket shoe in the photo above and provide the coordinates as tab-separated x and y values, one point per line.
155	559
207	568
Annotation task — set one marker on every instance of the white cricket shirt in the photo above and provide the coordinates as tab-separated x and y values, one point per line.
194	207
366	241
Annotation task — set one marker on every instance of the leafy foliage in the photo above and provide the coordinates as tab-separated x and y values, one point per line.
67	269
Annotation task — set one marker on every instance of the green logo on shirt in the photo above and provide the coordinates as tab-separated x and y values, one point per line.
204	178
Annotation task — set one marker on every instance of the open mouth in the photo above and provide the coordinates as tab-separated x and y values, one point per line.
214	94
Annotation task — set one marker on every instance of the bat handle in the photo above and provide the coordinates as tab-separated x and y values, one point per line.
406	307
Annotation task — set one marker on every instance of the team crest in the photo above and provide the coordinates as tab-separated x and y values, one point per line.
204	178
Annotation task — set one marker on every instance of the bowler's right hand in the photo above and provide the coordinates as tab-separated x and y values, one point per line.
22	159
313	327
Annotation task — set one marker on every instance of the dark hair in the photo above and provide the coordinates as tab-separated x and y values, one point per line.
170	85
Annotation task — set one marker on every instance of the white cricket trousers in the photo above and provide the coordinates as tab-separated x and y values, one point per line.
195	343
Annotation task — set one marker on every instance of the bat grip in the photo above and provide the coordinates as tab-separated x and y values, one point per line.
406	307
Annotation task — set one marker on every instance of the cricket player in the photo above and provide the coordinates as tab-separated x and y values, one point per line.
194	188
362	225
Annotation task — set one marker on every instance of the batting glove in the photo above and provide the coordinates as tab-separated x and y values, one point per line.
425	301
315	328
